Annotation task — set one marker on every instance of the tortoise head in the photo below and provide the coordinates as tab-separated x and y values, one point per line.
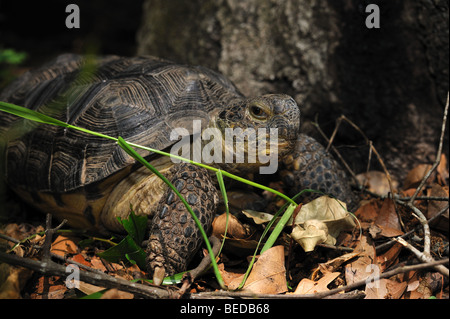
268	125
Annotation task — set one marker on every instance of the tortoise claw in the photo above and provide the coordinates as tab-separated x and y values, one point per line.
158	275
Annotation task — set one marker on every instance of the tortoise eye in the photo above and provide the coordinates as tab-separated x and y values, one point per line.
258	112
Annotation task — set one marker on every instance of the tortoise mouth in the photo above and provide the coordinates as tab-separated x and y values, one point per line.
281	145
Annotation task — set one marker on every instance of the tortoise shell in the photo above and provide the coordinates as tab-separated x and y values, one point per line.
141	99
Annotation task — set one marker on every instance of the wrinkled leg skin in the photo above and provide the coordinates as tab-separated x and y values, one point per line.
311	167
174	237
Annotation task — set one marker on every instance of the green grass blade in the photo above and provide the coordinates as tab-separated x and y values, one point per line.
278	228
227	208
42	118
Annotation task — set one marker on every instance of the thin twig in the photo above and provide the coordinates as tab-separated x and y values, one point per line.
324	294
190	276
423	256
407	234
438	156
336	152
53	255
49	232
417	213
406	198
426	228
50	268
372	150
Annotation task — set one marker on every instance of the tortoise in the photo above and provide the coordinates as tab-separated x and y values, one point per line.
90	181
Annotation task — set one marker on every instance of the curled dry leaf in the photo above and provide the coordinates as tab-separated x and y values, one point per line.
363	266
268	275
385	289
330	218
311	233
332	265
307	286
258	217
235	227
63	245
386	223
239	236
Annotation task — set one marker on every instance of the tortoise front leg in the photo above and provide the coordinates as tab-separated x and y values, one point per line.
174	237
311	167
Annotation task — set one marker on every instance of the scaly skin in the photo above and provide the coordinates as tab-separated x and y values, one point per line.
311	167
174	237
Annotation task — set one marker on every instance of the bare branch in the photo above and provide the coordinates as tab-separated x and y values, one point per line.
325	293
50	268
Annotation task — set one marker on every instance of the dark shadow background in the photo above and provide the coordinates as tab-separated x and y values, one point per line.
38	28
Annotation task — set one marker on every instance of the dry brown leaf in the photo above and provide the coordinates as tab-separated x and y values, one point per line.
389	258
63	245
12	280
435	207
97	263
377	231
307	286
385	289
416	175
50	287
258	217
80	259
117	294
268	275
88	289
363	266
332	265
390	232
368	212
231	279
376	182
423	287
442	170
387	217
235	227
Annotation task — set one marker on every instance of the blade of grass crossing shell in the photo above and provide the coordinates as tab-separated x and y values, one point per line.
227	209
136	156
45	119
